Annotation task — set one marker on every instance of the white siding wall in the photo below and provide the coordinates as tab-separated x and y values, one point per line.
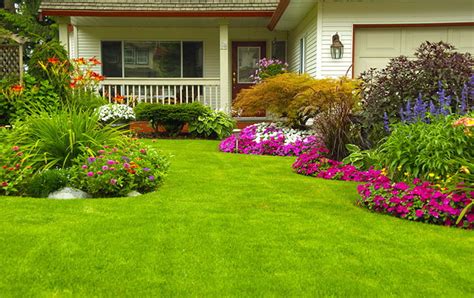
307	30
89	39
339	16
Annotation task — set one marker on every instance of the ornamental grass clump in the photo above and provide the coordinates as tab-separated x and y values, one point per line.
271	139
116	171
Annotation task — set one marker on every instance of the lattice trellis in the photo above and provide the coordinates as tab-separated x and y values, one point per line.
10	60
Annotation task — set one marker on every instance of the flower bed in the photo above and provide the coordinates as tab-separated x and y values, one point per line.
118	171
313	163
420	201
271	139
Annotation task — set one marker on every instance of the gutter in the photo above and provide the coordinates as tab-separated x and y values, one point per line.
168	13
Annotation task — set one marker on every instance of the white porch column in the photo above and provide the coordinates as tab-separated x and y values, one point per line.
63	31
224	66
63	36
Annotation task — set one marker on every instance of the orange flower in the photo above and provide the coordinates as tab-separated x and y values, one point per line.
53	60
465	121
16	88
119	99
94	61
80	61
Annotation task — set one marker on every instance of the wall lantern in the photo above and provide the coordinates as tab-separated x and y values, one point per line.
337	48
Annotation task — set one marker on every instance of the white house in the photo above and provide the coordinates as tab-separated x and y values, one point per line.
204	50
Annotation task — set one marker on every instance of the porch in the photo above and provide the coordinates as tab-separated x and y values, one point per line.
172	60
164	91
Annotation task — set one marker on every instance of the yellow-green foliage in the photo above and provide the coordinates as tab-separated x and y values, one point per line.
297	97
274	94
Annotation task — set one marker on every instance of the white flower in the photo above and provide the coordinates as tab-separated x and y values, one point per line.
114	112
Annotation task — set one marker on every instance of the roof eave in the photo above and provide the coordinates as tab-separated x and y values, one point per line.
139	13
277	14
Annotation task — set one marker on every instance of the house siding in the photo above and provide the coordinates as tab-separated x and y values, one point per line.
89	38
340	17
307	30
89	41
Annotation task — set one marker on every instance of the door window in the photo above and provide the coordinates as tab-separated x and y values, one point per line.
247	63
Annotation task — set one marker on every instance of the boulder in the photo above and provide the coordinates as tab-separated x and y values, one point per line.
134	193
66	193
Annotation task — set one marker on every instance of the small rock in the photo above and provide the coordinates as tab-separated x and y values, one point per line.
68	193
134	193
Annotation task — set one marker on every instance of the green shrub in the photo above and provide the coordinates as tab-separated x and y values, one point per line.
116	171
41	53
212	124
15	170
171	117
46	182
361	159
426	151
17	104
61	136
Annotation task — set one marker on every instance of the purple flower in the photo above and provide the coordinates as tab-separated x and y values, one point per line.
151	178
146	169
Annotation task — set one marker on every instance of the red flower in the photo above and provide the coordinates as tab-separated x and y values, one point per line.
53	60
15	148
16	88
4	184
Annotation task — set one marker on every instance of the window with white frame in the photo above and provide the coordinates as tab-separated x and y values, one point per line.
302	64
152	59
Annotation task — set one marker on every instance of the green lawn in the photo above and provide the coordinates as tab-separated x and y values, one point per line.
227	225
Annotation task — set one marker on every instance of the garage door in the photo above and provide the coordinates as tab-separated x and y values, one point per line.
375	46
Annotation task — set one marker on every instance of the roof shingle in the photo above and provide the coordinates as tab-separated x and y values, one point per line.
161	5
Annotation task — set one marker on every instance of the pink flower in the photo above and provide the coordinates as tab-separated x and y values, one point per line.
126	165
105	168
113	181
84	167
110	162
419	213
90	174
15	148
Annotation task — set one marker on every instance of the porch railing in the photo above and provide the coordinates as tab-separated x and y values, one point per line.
163	91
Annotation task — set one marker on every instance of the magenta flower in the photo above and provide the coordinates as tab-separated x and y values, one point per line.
84	167
91	159
90	174
110	162
105	168
126	165
419	213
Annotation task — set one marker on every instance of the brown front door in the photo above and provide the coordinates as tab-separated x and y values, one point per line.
245	56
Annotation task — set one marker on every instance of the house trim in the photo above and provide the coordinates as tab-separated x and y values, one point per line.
139	13
402	25
279	11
